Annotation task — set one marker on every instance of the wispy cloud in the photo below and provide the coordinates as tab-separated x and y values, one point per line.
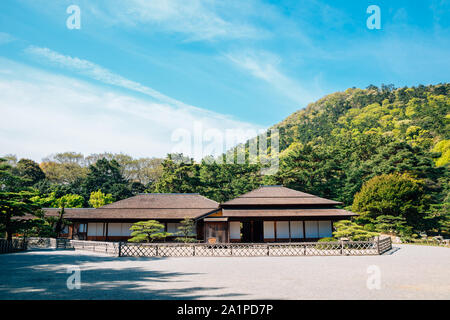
99	73
266	66
199	20
70	114
6	38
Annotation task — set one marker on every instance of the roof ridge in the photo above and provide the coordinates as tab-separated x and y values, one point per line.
309	196
169	193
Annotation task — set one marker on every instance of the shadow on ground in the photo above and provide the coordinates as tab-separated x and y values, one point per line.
43	275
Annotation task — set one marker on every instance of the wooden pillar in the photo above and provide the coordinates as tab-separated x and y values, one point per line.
106	230
304	230
275	230
70	231
289	224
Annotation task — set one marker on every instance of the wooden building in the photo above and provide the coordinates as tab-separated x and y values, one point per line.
267	214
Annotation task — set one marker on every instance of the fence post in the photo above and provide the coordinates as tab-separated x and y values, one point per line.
342	247
378	245
157	250
193	250
120	248
268	250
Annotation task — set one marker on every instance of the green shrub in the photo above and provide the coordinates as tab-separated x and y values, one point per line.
327	239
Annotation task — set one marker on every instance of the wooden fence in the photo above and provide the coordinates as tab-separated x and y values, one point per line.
357	248
123	249
40	243
14	245
111	248
384	245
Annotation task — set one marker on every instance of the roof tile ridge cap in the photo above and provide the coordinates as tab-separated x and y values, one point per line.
208	198
132	208
109	204
309	196
66	208
166	193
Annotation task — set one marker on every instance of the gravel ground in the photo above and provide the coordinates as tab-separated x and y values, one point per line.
406	272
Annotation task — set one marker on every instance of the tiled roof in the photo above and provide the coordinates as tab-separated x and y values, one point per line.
164	201
287	213
278	195
146	206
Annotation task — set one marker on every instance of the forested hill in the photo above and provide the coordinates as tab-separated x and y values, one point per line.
418	114
335	144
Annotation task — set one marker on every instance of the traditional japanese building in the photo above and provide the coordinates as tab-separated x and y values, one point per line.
267	214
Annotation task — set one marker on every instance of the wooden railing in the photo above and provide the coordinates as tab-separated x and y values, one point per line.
124	249
384	245
14	245
375	247
111	248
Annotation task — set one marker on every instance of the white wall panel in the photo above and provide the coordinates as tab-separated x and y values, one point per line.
126	229
296	229
95	229
312	229
173	227
325	229
115	229
235	230
269	232
282	229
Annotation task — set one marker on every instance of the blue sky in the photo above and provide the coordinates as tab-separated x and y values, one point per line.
138	70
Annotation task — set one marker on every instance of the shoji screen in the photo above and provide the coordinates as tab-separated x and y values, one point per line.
311	229
282	229
325	229
269	232
296	229
235	230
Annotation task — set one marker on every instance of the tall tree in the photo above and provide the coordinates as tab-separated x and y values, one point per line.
29	171
15	199
105	175
393	195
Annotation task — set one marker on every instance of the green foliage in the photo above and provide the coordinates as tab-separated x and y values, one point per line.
393	225
327	239
443	147
29	171
99	199
352	231
105	175
15	200
397	195
70	201
147	231
186	231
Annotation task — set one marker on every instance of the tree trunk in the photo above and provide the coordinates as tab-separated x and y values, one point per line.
8	227
58	226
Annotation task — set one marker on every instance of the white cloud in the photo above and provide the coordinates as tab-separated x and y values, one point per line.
265	66
199	20
6	38
96	72
44	113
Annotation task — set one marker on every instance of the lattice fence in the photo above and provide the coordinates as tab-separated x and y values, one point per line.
14	245
111	248
254	249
